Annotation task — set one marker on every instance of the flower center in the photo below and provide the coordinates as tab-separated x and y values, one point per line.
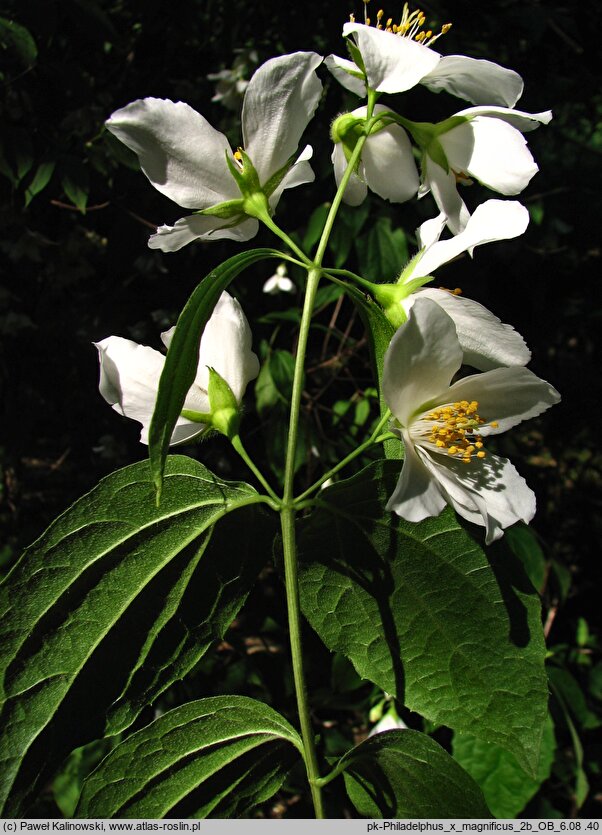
410	26
454	428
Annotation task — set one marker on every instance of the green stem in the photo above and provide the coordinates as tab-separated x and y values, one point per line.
238	446
375	438
273	227
287	512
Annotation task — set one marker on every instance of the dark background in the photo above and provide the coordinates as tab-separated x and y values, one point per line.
75	267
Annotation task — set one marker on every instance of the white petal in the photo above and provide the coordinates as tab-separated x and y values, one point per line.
445	193
347	74
281	98
519	119
430	231
417	495
494	220
129	380
486	341
419	363
356	190
393	64
179	151
226	347
487	492
278	284
203	228
478	81
299	174
505	395
492	151
388	164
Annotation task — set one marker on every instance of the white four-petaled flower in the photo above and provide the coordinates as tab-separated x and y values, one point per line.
487	144
395	63
485	340
444	426
186	159
387	164
129	373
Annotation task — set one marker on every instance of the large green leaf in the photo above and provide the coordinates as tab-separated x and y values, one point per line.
382	252
506	786
421	612
215	757
406	774
182	358
112	604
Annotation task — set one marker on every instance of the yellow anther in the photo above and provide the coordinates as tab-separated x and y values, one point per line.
351	18
452	450
445	28
367	19
494	424
478	444
466	460
457	291
439	444
379	14
481	454
389	22
238	155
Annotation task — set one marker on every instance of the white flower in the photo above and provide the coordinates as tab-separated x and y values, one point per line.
386	167
397	61
389	722
485	340
129	373
279	282
443	426
486	144
232	83
186	159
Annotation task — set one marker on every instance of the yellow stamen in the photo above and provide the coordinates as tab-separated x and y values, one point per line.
453	428
410	25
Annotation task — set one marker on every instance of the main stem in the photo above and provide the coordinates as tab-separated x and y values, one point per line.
287	512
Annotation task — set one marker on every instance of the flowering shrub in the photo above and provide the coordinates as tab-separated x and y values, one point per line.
127	591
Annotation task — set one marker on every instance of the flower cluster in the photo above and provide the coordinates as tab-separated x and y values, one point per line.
444	421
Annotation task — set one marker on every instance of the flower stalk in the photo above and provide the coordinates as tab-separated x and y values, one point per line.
288	509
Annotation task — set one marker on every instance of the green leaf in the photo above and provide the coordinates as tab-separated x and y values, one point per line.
522	541
18	40
76	183
315	225
507	787
406	774
420	612
40	180
275	382
382	252
182	358
215	757
67	785
113	603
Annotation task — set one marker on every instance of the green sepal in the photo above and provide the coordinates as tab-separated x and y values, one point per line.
347	129
437	154
356	57
246	176
196	417
272	184
447	124
230	208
